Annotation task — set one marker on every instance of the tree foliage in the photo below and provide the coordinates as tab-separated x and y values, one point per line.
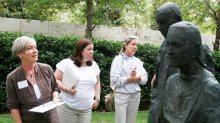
193	11
203	13
213	10
12	8
106	12
129	13
120	13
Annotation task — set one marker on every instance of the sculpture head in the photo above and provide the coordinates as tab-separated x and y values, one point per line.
166	15
184	44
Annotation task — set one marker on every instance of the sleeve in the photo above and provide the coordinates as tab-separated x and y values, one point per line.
54	85
141	71
12	101
117	78
144	77
62	65
96	68
214	115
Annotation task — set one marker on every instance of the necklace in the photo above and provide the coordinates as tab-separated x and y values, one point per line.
30	77
29	70
30	74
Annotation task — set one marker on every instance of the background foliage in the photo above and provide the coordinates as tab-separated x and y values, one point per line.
129	13
54	49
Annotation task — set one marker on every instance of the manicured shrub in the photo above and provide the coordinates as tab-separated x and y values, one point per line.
216	59
53	49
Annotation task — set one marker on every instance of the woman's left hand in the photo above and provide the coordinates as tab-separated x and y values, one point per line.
55	96
95	104
56	99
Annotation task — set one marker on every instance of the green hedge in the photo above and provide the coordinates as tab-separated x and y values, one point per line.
54	49
51	51
216	59
105	51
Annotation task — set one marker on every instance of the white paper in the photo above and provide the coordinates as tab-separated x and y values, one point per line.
46	107
138	66
70	79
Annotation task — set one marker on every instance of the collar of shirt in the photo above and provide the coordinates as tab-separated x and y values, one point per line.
194	73
124	56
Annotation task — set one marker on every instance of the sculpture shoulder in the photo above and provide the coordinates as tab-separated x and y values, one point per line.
173	78
212	86
172	81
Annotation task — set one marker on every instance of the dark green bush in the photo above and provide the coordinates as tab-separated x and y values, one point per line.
216	59
7	63
51	51
105	52
54	49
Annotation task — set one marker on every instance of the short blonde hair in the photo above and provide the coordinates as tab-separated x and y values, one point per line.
21	43
126	41
129	38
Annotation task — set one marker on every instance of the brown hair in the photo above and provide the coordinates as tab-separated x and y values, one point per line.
77	56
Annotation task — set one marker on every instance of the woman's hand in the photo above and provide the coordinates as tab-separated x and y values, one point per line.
95	104
56	99
71	91
133	73
153	81
135	79
55	96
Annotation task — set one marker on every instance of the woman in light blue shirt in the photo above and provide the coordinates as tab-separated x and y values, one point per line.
127	73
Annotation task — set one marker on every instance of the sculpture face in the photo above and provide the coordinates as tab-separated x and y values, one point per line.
180	50
164	21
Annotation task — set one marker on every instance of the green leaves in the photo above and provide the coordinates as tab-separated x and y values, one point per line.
54	49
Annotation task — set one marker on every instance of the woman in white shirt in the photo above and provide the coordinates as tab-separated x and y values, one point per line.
79	100
127	72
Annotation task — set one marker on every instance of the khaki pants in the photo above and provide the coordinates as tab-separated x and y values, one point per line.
126	107
70	115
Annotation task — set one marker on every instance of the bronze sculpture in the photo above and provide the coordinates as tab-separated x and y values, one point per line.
166	15
192	94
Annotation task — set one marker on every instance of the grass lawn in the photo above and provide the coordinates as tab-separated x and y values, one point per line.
97	117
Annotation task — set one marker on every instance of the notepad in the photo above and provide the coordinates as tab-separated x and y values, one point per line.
46	107
138	67
70	78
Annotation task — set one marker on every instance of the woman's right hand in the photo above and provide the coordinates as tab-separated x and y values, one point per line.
133	72
71	90
135	79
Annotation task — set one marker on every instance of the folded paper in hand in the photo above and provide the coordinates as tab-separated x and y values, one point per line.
70	79
46	107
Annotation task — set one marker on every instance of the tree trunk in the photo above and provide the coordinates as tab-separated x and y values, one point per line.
89	4
217	38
